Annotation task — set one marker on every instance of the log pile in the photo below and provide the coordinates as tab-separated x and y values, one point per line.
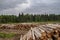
17	26
24	26
43	32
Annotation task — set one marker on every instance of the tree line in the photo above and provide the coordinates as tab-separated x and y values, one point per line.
29	18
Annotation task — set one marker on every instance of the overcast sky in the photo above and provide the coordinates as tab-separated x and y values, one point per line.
29	6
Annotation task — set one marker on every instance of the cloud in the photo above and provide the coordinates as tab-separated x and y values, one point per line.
42	6
15	8
29	6
10	3
23	6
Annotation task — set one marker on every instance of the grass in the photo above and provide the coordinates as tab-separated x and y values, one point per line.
4	35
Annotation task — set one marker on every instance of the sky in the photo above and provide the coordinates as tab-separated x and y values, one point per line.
29	6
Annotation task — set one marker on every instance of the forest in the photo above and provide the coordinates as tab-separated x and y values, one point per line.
29	18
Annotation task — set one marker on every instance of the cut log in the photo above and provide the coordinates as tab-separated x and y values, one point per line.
43	32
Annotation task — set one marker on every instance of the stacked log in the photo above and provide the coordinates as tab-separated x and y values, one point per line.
17	26
43	32
24	26
7	26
